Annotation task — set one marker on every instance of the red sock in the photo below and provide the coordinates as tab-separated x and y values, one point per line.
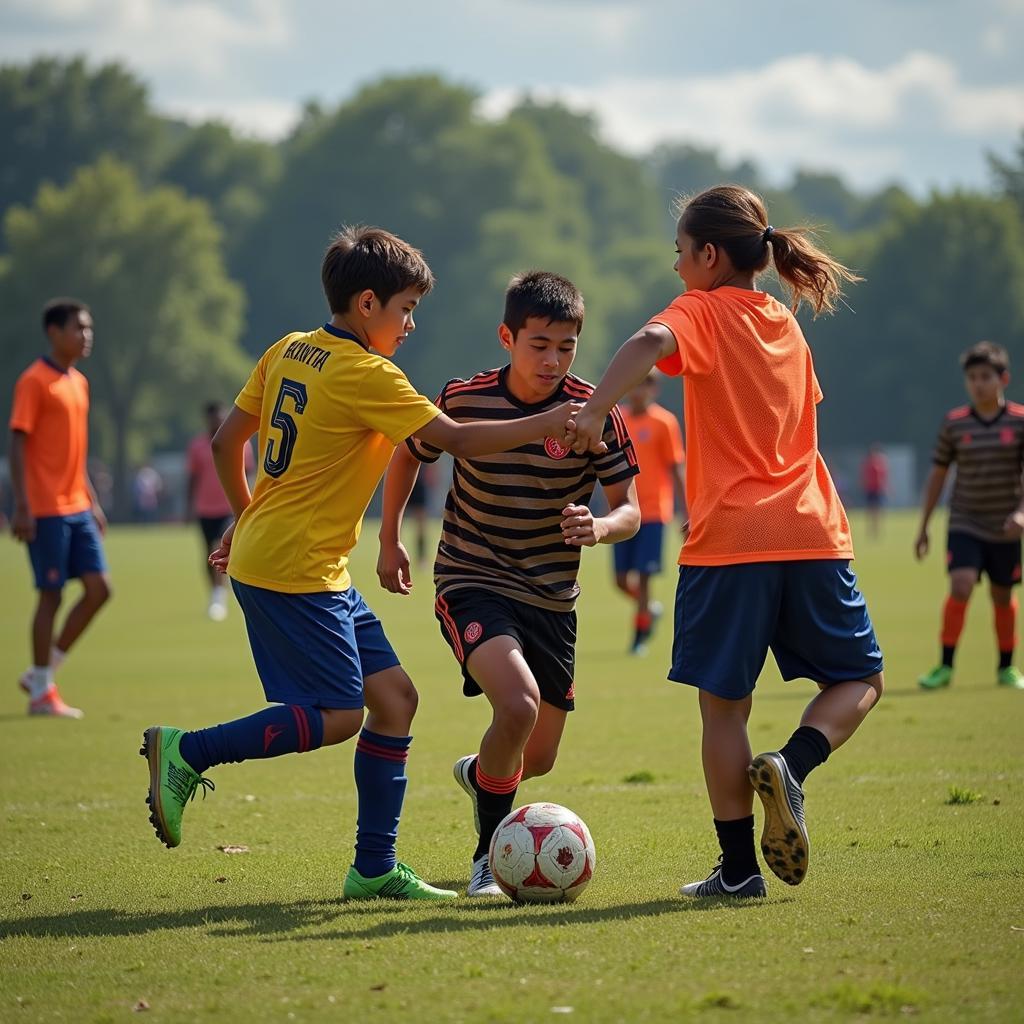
643	622
953	614
1006	626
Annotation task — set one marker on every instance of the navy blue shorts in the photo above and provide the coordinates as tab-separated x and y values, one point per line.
642	552
66	548
313	649
809	614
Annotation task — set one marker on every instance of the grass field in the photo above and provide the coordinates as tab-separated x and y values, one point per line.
912	907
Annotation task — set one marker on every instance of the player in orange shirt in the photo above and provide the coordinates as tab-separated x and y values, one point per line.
56	511
766	565
658	443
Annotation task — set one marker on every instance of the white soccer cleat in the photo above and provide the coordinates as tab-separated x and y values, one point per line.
463	776
481	881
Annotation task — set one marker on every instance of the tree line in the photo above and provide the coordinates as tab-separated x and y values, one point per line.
197	247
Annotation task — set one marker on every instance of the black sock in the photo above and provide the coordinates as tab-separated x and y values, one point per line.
739	859
947	656
492	807
806	749
1005	659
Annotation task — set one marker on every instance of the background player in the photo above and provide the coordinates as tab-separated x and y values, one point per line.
874	478
56	511
658	443
986	513
510	545
208	503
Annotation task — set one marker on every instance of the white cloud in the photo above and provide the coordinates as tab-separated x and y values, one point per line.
870	124
263	118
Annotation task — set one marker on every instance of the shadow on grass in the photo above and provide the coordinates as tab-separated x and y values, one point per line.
337	920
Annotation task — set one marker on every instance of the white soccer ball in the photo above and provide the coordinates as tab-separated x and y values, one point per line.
542	853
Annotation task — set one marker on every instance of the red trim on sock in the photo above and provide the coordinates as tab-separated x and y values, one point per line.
388	753
953	614
1006	626
302	727
643	621
499	786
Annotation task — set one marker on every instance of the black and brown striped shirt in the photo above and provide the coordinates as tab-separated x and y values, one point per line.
989	457
502	517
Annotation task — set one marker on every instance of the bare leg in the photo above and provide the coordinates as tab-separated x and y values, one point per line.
42	626
95	595
839	709
726	754
542	746
392	701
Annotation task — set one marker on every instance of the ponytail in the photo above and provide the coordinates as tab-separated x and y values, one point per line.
734	218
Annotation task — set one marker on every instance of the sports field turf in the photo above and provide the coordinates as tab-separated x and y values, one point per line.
912	905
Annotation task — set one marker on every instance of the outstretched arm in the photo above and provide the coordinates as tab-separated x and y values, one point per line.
393	560
581	528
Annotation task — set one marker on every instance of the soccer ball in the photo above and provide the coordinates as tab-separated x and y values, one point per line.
542	853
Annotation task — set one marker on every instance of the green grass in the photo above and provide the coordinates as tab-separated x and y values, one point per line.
912	905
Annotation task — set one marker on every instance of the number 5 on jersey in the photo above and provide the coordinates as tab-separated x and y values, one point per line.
275	465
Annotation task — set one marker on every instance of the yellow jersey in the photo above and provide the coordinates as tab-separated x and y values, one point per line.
331	413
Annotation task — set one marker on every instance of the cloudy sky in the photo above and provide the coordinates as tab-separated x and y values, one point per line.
909	90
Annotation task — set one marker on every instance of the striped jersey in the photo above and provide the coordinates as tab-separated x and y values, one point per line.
502	517
989	457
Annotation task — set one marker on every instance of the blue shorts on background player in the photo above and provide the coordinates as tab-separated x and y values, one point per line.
329	407
766	563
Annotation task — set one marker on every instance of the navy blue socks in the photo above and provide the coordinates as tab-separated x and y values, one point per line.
380	781
280	729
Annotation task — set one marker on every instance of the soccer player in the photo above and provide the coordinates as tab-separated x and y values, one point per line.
514	526
329	407
767	561
986	513
659	453
874	477
56	511
208	503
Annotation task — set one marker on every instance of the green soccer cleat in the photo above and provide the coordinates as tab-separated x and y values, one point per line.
939	678
1012	678
400	883
172	782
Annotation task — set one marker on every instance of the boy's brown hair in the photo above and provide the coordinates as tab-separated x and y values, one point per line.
542	294
361	257
986	353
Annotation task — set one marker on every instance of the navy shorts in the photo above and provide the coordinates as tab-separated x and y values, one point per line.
642	552
809	614
999	560
66	548
313	649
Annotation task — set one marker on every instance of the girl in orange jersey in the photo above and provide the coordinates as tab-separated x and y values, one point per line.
767	562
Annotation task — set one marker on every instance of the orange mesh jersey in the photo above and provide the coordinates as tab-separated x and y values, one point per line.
757	487
658	443
51	407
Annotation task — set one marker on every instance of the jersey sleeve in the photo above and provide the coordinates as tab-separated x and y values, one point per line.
619	462
389	404
944	453
428	453
28	397
250	398
690	323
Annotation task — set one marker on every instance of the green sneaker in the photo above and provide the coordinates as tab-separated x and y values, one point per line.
1012	678
172	782
400	883
939	677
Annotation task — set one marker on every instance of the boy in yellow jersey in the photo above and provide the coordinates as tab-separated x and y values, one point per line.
329	407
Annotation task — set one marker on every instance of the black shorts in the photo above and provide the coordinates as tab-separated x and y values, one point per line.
213	528
470	616
419	495
999	560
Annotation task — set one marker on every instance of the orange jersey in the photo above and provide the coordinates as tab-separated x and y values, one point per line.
658	443
757	487
51	407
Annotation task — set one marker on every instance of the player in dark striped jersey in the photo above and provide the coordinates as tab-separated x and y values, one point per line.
986	513
514	527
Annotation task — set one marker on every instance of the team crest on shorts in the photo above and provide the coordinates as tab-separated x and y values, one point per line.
555	448
473	633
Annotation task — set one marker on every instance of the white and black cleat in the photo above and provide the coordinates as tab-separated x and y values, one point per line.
481	881
784	841
462	771
715	886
